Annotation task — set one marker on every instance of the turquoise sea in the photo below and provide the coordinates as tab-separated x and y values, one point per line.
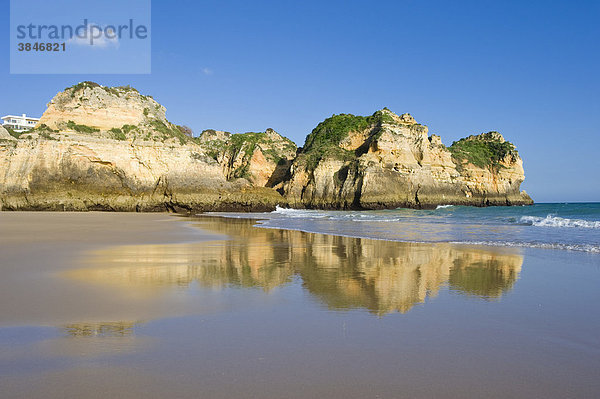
566	226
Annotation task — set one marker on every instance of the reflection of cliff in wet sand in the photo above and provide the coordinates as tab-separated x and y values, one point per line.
343	272
106	329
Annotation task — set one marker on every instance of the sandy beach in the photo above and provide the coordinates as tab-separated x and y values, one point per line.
155	305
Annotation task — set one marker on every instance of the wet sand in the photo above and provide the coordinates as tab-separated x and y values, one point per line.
151	305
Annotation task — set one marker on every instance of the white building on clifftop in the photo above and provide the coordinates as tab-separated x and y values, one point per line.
19	123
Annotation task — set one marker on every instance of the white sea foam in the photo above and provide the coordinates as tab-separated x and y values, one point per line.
444	206
285	211
470	226
298	213
555	221
589	248
346	216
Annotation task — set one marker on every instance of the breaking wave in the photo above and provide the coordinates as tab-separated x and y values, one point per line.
298	213
571	227
555	221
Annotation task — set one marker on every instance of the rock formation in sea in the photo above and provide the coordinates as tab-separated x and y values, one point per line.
388	160
112	148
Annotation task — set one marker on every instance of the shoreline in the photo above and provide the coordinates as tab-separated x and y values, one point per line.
41	248
248	200
577	248
83	255
190	216
106	239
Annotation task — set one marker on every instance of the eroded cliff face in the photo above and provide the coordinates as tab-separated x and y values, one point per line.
4	135
101	107
79	172
388	160
99	148
112	148
261	158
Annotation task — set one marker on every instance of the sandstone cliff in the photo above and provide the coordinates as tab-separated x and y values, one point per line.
388	160
262	158
99	148
101	107
4	135
112	148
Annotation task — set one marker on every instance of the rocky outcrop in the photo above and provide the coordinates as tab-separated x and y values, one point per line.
261	158
4	135
388	160
104	108
79	172
112	148
97	148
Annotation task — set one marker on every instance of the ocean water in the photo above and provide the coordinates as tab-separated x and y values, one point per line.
563	226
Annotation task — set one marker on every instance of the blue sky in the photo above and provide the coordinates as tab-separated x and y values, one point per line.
526	69
29	18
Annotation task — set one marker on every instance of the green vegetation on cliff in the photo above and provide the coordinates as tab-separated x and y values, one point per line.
236	151
155	131
12	132
118	133
43	130
332	131
214	146
245	141
43	127
82	85
81	128
171	131
46	135
324	140
248	142
483	151
117	90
